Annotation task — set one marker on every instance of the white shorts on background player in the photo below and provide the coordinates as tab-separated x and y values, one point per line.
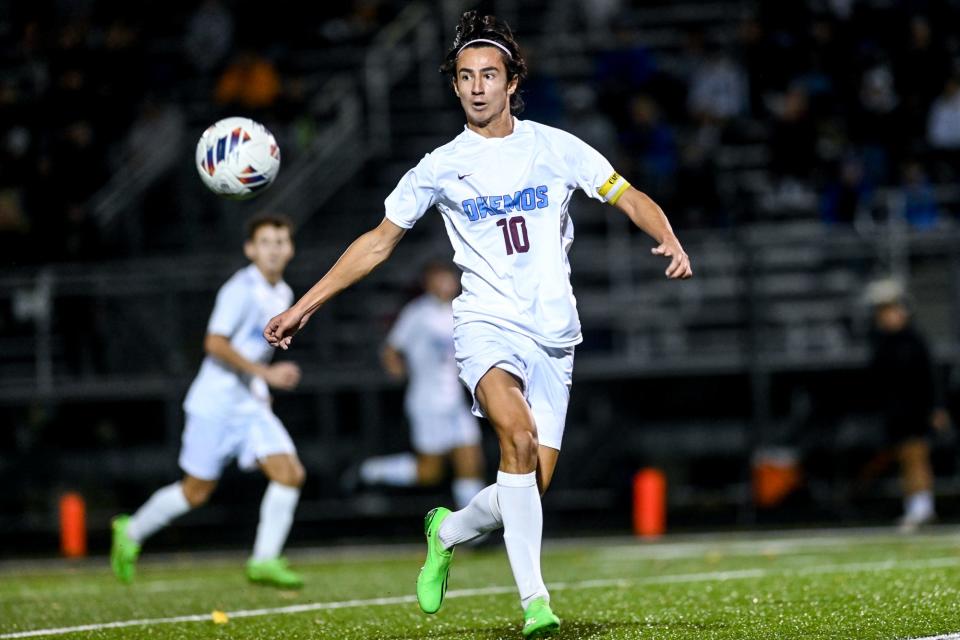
439	432
228	413
545	372
209	445
440	419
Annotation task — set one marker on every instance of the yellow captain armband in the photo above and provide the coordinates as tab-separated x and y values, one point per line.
613	188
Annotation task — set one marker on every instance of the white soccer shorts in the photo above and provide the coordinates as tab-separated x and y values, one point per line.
438	432
209	445
545	372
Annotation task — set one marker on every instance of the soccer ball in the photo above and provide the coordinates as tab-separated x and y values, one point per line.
237	158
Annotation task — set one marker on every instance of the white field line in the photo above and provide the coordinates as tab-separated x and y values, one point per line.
713	576
948	636
616	551
674	551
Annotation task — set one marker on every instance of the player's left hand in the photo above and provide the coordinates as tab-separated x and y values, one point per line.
679	268
280	330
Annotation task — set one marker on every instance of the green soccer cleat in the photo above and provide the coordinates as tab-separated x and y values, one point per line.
124	551
432	581
539	621
274	572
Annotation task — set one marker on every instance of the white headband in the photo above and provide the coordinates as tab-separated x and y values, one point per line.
484	40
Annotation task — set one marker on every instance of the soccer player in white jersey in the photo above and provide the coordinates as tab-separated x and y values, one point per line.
420	348
503	187
228	414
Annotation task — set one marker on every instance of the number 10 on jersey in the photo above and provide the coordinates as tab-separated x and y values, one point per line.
515	234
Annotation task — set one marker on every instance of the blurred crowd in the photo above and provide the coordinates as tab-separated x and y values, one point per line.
816	106
92	88
810	106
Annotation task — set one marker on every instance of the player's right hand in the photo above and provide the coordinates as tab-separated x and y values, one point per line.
281	329
283	375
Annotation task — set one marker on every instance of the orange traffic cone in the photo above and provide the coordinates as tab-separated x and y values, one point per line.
649	503
73	525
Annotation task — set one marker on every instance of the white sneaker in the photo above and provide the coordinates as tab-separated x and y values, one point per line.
910	522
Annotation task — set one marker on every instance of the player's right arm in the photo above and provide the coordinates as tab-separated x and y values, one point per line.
365	254
281	375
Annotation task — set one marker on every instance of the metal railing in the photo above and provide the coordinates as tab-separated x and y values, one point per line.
333	157
411	39
137	169
801	286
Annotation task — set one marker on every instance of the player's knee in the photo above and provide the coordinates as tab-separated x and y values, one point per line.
295	475
197	493
524	445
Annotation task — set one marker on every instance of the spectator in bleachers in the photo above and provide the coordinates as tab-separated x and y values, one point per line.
209	36
841	9
623	69
650	147
905	392
718	90
943	125
920	208
251	82
121	80
13	227
920	69
826	70
78	172
697	196
847	194
876	119
793	137
542	93
584	121
759	62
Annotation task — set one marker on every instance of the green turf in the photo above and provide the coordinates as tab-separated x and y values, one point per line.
818	586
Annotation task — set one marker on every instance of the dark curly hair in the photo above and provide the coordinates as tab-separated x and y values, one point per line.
472	27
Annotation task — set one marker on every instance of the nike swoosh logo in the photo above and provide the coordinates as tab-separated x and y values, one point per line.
463	175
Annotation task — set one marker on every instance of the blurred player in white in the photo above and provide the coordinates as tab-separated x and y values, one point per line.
228	414
420	348
503	187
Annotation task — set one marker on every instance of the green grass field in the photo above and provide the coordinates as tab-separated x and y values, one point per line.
817	585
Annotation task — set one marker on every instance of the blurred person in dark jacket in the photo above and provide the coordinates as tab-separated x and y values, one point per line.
906	394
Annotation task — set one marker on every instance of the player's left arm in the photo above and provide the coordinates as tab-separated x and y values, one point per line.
650	218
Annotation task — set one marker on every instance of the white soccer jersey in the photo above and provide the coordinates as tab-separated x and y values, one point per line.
245	303
423	332
504	202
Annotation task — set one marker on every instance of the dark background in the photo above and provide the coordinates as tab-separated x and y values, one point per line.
801	150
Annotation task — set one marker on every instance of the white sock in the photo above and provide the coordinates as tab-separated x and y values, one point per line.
157	512
276	516
398	470
919	504
464	489
482	514
522	531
